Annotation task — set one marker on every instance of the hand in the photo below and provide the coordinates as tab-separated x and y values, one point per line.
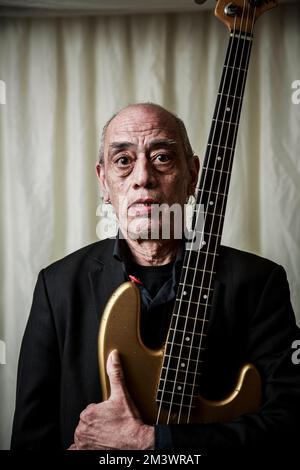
114	423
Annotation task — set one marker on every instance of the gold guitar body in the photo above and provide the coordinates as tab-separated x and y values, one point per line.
120	329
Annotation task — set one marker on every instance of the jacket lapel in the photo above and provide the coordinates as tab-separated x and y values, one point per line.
104	280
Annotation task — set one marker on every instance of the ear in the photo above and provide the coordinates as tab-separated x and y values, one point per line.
100	172
194	168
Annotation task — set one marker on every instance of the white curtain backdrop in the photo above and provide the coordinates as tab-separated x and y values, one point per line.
65	77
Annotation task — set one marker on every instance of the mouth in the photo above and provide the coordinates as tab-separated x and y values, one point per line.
144	202
141	206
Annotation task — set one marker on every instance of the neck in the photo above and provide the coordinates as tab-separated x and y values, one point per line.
153	252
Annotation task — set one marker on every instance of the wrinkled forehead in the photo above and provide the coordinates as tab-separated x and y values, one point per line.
142	122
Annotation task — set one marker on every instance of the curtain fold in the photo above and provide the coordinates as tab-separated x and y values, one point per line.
65	77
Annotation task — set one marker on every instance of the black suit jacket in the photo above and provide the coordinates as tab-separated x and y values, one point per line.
252	320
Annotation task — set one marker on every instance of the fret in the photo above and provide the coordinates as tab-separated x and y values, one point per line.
216	170
194	294
177	386
206	304
172	383
210	240
184	371
168	386
238	51
210	205
178	369
199	259
201	191
197	276
189	339
236	68
233	82
228	105
205	241
183	352
219	161
231	96
221	121
207	205
174	404
191	285
220	147
205	255
207	235
186	332
191	310
191	360
176	397
205	299
177	394
213	220
185	291
182	321
213	180
200	269
213	223
223	134
175	380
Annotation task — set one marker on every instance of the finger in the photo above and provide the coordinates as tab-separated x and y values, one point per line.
91	405
79	445
72	447
88	413
116	376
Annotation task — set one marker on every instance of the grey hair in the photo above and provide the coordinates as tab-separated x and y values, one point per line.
189	153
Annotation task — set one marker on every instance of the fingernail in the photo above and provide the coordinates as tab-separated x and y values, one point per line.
115	357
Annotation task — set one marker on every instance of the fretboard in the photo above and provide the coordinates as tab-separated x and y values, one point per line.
186	342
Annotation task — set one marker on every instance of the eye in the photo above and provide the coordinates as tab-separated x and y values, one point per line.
123	161
162	158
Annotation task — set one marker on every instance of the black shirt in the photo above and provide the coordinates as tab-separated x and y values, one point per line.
158	292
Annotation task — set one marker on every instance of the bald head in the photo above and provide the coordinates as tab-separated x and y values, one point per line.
137	112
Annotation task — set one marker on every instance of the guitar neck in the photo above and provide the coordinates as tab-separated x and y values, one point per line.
186	342
213	189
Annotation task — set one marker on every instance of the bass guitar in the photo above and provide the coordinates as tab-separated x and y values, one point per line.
164	383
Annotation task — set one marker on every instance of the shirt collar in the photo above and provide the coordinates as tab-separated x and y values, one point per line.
121	252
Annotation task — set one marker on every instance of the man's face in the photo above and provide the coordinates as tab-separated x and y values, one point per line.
144	165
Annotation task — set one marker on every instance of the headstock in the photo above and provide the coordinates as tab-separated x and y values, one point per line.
240	15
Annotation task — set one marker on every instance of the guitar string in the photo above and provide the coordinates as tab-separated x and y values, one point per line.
220	221
180	302
219	117
235	97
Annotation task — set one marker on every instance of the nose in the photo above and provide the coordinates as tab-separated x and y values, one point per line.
143	173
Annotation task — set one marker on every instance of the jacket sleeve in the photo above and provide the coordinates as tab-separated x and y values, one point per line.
271	333
36	419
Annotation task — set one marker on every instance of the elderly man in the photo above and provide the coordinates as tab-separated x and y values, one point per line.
146	159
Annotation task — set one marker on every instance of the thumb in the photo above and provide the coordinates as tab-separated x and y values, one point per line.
115	374
118	387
